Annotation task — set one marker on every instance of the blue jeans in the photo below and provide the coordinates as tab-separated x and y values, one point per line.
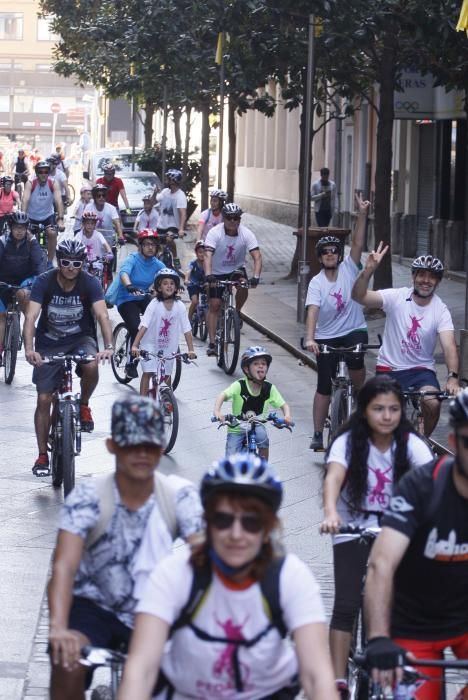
235	441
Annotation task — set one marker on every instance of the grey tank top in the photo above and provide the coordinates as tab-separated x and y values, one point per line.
41	202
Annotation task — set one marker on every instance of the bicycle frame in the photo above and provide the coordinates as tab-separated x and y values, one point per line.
63	394
247	425
415	399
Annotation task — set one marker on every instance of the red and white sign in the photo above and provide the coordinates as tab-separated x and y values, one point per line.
55	108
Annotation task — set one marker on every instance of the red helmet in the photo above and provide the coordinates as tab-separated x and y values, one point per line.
147	233
89	216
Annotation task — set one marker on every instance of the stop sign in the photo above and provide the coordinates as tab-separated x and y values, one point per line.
55	107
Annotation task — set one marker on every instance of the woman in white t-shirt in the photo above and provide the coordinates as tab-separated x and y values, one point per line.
227	645
209	218
370	453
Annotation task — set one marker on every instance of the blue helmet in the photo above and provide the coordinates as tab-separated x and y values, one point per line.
166	273
244	474
252	353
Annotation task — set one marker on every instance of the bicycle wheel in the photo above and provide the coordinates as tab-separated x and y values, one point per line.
170	414
68	447
11	347
194	323
71	189
231	341
102	692
176	372
55	461
120	340
338	411
203	328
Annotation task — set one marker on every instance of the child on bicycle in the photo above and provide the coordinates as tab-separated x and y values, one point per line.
95	243
251	397
162	323
196	277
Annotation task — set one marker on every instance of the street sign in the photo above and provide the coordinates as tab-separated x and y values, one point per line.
55	107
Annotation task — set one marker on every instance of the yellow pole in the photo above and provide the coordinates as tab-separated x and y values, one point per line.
463	19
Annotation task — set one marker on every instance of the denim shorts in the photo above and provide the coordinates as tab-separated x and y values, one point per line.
414	379
235	441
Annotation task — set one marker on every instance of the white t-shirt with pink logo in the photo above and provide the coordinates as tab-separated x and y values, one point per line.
164	328
209	221
379	479
339	314
204	669
95	244
229	251
410	332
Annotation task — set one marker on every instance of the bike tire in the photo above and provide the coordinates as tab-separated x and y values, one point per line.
338	411
203	328
120	341
68	447
71	190
102	692
176	372
230	345
194	323
170	414
55	461
11	348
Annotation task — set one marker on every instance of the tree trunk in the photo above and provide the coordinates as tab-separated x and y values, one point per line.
383	167
148	125
188	113
231	165
176	114
205	155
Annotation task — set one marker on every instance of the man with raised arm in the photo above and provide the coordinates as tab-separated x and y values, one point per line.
416	318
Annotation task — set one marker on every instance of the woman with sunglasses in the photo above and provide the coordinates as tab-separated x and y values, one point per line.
370	453
333	318
229	645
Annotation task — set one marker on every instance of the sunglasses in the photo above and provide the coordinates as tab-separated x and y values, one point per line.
229	217
99	194
329	251
42	172
75	264
249	523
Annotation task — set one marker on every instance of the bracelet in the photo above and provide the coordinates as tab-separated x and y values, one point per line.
109	347
452	374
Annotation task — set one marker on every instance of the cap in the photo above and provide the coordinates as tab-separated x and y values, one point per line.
137	421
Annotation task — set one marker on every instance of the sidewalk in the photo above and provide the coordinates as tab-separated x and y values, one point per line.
272	307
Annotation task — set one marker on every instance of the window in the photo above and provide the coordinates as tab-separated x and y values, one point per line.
43	67
11	26
44	32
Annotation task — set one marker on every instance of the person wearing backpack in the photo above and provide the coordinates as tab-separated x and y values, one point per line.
230	603
104	524
416	595
66	302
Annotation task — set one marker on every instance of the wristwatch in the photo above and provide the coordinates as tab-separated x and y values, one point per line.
109	347
452	374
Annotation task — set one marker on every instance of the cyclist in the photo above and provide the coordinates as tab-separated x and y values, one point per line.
226	246
62	163
172	207
196	277
21	170
108	219
370	453
333	318
65	300
136	277
415	318
9	201
230	647
147	217
115	187
40	200
94	242
212	216
21	261
84	200
161	326
96	571
416	595
57	174
251	396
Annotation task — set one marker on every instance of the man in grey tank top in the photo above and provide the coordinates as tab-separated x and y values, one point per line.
42	197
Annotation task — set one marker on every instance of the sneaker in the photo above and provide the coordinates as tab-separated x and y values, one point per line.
86	418
343	691
131	370
317	441
211	350
41	465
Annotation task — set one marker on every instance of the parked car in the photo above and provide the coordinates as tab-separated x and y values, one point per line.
136	184
120	157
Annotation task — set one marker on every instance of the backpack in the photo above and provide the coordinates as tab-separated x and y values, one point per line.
50	182
164	492
252	402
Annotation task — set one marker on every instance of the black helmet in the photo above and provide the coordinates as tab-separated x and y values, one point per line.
232	209
71	248
99	188
253	353
244	474
326	241
7	180
458	409
427	262
20	218
42	165
54	158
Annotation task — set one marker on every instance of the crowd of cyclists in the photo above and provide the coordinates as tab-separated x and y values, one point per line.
244	619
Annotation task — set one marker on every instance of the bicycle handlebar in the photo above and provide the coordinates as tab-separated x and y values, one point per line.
356	349
10	286
100	656
366	532
234	421
61	357
360	659
421	394
146	354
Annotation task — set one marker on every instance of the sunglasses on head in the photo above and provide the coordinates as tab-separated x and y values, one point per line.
232	217
76	264
330	251
249	523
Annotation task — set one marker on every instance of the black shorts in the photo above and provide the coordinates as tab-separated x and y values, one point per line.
50	221
327	364
217	292
47	377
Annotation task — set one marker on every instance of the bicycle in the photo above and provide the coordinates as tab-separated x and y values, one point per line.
162	393
97	657
198	320
13	338
414	402
122	355
101	268
343	393
247	425
227	337
40	233
166	255
65	426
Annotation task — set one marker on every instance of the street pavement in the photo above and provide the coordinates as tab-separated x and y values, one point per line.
30	506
